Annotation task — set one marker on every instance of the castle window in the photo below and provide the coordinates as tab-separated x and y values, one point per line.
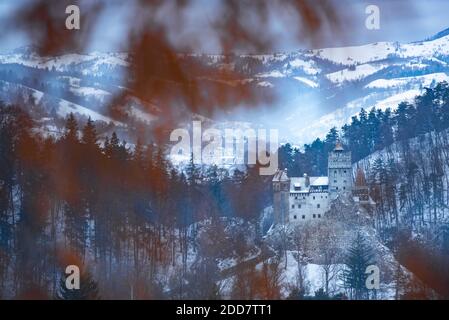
293	206
318	205
303	217
336	188
314	216
294	217
313	197
299	206
344	188
344	181
335	181
296	198
304	197
344	171
335	171
319	216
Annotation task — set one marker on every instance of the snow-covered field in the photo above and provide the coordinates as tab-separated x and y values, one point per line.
423	81
360	72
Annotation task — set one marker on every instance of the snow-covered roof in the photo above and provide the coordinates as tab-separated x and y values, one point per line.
280	175
298	184
320	181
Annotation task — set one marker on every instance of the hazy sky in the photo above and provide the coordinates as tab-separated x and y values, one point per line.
401	20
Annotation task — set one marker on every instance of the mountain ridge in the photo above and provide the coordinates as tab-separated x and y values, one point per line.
318	88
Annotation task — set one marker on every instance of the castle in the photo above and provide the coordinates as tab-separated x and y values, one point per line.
299	199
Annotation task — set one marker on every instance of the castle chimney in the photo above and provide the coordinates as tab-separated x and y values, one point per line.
307	180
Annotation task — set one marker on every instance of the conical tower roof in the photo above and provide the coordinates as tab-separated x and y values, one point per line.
338	146
360	180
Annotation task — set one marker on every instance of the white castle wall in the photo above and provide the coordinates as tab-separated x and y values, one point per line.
308	206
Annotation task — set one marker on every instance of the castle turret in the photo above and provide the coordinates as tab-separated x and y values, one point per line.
361	190
281	192
340	171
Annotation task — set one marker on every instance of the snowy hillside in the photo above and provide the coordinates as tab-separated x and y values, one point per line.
316	89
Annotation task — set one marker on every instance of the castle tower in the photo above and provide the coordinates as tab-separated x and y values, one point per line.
339	171
281	193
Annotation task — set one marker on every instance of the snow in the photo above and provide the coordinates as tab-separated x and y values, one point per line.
61	63
360	72
271	74
265	58
321	181
309	67
66	107
317	112
382	50
424	81
357	54
425	49
393	101
37	95
73	81
308	82
265	84
142	115
227	263
89	91
416	66
314	276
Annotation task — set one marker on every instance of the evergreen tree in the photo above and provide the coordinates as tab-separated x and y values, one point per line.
89	134
386	137
139	154
360	256
71	128
192	172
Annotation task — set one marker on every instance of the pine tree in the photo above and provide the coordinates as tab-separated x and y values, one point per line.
359	257
192	172
331	138
88	289
112	147
386	137
139	153
89	134
71	128
114	143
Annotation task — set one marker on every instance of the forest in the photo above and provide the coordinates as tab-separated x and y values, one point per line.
71	200
126	215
